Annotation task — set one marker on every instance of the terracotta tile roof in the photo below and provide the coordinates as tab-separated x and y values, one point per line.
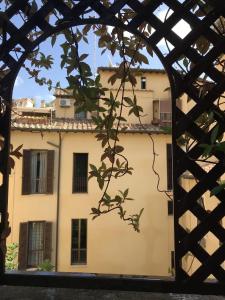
70	125
142	70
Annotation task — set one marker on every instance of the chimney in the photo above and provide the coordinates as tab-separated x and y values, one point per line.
43	105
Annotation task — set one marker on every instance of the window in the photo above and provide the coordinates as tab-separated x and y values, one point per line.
81	115
162	112
35	243
35	240
80	172
143	83
38	171
79	241
156	112
165	117
170	207
165	112
169	166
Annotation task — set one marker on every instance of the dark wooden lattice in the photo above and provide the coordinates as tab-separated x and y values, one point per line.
183	82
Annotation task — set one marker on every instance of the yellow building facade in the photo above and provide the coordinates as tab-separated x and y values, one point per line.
50	197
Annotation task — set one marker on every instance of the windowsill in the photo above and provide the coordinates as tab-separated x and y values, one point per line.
38	194
137	89
32	269
35	194
80	193
79	264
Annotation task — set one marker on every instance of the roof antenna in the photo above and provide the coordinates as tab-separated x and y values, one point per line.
95	53
110	61
111	64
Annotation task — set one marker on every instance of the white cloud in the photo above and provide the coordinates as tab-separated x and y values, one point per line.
47	97
19	81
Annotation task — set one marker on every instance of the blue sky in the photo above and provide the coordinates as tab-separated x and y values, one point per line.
26	87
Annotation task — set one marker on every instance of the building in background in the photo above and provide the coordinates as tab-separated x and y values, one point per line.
50	197
24	103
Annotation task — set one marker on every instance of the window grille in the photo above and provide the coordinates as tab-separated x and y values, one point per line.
80	172
79	241
35	243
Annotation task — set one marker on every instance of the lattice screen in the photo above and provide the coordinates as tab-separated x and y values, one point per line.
185	82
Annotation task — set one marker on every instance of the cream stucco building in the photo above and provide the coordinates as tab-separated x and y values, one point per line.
50	197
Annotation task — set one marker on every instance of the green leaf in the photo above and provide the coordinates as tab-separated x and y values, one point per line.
214	134
125	194
207	149
119	149
53	39
83	56
93	167
100	182
95	211
220	147
128	101
186	62
141	212
217	190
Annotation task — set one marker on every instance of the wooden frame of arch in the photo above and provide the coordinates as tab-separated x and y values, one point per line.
183	122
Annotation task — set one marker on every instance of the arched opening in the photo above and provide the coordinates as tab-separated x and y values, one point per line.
61	128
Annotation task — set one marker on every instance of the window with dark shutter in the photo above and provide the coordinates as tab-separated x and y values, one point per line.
23	246
47	240
26	184
38	172
169	166
50	171
80	172
35	243
79	241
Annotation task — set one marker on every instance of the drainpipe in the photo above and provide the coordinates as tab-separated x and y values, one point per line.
59	146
